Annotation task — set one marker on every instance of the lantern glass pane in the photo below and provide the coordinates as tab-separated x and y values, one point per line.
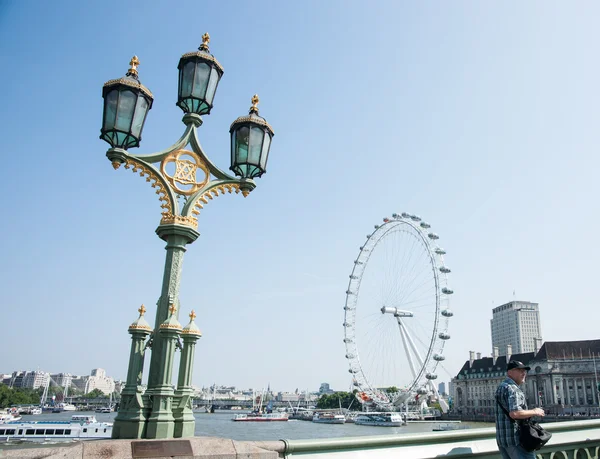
212	85
256	136
187	79
140	115
265	152
110	109
233	148
127	101
241	145
201	80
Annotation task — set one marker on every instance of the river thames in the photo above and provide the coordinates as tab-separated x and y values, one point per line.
220	424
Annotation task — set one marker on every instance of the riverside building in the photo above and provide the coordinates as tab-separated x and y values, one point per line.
516	324
563	379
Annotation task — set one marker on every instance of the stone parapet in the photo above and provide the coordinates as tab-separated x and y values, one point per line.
202	448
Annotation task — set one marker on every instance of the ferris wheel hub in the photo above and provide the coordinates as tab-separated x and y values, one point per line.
396	312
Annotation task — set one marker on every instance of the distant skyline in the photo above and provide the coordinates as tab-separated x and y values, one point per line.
479	117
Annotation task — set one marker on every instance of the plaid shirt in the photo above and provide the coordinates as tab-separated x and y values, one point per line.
512	398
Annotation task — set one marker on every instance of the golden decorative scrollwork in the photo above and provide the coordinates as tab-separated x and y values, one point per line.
185	171
169	218
150	175
213	192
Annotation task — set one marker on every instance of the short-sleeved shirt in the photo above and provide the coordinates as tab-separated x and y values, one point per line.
512	398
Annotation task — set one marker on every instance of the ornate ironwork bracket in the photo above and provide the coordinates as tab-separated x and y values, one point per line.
176	171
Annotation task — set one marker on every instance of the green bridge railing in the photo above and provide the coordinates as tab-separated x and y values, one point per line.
570	440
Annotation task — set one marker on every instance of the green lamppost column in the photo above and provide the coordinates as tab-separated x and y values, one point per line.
160	423
184	179
130	421
184	416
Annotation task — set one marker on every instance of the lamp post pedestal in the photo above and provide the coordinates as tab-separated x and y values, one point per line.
131	421
185	424
161	422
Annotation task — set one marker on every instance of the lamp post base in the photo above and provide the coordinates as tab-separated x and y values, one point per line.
129	429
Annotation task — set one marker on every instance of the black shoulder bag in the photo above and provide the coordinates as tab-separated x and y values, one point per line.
532	436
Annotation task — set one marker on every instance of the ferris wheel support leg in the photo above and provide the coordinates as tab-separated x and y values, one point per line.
408	356
412	346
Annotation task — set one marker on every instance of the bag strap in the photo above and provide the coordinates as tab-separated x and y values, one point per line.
504	409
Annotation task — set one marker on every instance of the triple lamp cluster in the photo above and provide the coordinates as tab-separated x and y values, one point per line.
127	102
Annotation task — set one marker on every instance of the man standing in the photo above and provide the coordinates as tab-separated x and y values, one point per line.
510	397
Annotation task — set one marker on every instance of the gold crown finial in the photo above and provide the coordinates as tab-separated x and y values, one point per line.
205	42
192	315
255	100
134	63
142	310
172	308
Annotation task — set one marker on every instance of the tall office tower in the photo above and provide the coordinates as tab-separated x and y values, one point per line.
516	324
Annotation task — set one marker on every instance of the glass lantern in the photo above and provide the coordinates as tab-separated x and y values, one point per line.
199	75
250	143
126	104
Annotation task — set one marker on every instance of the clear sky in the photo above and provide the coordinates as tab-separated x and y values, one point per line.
481	117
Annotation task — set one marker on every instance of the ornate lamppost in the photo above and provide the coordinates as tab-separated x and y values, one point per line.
185	180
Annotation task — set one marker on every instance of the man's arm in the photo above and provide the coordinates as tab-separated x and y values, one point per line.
515	400
526	414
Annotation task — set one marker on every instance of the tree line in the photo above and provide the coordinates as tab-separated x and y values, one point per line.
22	396
346	400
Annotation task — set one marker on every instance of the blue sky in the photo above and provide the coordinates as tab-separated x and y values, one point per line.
479	116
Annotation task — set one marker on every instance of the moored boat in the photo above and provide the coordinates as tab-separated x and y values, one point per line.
329	418
9	417
82	427
384	419
260	417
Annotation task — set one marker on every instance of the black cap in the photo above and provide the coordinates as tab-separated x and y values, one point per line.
515	364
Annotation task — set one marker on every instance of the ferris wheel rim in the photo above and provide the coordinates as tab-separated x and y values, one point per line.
440	278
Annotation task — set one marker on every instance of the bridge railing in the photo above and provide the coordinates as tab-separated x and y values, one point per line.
570	440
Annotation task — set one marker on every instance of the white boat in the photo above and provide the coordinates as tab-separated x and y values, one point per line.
9	417
104	409
384	419
260	417
67	407
82	427
329	418
260	414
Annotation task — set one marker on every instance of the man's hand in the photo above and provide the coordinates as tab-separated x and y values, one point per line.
539	412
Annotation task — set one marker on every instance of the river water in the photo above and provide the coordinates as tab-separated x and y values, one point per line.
220	424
